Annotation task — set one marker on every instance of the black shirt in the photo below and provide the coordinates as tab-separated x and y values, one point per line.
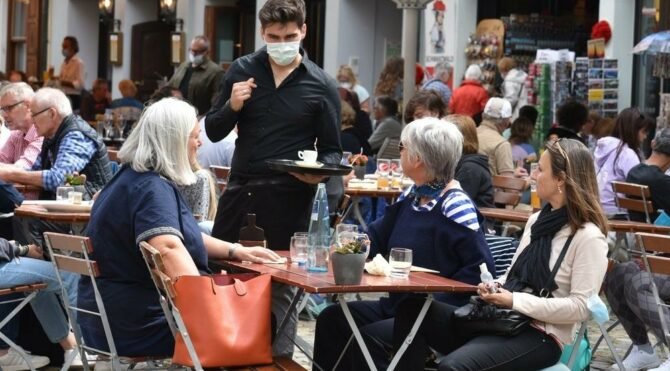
276	123
659	187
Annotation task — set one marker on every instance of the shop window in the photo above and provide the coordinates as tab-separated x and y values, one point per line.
16	43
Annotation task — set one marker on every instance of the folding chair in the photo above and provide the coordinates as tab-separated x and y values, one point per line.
389	149
653	247
71	254
30	291
221	174
507	193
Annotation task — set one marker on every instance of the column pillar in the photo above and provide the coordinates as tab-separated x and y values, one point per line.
618	14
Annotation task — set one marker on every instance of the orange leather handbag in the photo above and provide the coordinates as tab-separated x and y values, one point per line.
227	317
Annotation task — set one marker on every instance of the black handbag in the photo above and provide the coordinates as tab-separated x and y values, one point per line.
481	318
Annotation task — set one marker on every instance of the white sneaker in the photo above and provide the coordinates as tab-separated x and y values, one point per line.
639	360
77	362
12	361
665	366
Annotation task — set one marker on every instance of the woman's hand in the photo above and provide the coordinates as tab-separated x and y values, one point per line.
256	254
501	298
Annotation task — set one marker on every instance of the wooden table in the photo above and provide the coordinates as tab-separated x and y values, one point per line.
505	215
357	193
324	283
39	212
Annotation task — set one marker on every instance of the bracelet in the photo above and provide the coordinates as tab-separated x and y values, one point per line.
23	250
231	250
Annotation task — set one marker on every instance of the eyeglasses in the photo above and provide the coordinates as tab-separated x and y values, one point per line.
9	108
40	112
401	147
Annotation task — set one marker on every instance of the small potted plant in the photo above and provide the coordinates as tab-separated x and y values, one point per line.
348	262
78	181
358	162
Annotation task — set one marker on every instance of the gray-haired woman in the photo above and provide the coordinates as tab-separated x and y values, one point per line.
142	203
436	219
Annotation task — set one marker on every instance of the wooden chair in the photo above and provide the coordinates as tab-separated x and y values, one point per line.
71	254
655	249
113	154
166	290
507	193
221	174
389	149
26	293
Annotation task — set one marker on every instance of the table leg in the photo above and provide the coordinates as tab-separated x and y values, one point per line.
357	334
412	333
287	315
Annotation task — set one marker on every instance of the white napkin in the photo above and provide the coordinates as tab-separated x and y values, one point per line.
378	266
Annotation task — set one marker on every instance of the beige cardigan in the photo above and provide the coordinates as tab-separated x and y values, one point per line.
579	277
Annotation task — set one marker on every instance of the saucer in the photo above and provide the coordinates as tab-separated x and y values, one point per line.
314	165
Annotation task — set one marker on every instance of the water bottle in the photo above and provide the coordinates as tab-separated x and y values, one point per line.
318	235
487	278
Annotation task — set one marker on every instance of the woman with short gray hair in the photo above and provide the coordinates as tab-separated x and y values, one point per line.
142	203
434	218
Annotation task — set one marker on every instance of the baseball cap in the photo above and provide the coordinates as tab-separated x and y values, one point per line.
662	142
498	108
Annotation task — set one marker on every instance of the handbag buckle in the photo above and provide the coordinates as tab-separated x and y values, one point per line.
544	293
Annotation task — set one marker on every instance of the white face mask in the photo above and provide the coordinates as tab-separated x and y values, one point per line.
346	85
196	59
283	53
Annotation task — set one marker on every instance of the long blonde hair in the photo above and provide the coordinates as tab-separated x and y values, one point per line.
572	162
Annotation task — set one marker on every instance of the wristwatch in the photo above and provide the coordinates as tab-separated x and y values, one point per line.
231	250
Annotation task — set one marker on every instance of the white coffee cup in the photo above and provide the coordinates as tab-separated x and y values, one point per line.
308	156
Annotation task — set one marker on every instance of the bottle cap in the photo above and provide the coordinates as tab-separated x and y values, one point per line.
483	268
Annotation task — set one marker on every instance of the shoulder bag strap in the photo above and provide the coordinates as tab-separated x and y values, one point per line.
544	292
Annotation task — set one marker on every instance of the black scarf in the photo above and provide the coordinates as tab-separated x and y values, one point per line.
531	269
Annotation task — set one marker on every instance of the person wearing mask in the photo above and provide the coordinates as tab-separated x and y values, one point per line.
347	79
388	126
496	118
470	98
24	144
72	73
439	81
97	102
615	155
282	103
514	84
199	78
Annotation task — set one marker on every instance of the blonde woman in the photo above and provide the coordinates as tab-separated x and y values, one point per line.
347	79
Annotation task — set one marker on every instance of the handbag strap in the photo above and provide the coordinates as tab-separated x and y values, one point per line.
545	291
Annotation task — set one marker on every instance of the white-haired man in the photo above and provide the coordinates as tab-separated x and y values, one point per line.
495	119
24	144
439	81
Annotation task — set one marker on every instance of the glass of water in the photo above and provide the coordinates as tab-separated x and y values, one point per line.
299	249
400	260
63	193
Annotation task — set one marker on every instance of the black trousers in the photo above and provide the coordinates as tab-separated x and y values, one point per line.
282	205
532	349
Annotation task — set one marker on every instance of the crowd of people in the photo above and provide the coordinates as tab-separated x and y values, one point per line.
275	102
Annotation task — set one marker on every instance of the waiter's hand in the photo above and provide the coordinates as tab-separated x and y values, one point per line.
241	92
309	178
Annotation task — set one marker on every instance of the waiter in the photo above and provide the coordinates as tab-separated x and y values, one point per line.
282	103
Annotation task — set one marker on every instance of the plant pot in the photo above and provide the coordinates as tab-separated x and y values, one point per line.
359	171
347	268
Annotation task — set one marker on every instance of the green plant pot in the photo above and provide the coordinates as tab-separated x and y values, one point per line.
359	171
347	268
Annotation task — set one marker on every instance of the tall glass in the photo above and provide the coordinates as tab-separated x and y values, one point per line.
400	260
299	249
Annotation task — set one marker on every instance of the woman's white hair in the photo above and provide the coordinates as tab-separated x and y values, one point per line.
50	97
473	73
159	141
438	143
20	91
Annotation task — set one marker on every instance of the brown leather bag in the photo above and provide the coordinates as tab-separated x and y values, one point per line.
227	317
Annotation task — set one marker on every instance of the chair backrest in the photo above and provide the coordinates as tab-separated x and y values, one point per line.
634	197
655	249
341	210
156	267
389	149
71	254
113	155
507	190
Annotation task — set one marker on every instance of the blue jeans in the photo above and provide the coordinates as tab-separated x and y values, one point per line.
46	304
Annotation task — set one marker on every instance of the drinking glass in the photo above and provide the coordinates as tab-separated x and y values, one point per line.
345	233
396	173
63	193
299	249
345	158
365	242
400	260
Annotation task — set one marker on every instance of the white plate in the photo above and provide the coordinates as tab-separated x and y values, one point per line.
61	206
314	165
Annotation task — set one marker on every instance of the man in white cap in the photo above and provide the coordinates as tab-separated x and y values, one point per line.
495	119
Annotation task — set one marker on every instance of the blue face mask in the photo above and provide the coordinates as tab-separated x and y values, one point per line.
283	53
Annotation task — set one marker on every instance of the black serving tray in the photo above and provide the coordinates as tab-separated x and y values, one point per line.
292	167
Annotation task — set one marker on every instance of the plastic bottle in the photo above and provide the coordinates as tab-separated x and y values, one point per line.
487	278
318	235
